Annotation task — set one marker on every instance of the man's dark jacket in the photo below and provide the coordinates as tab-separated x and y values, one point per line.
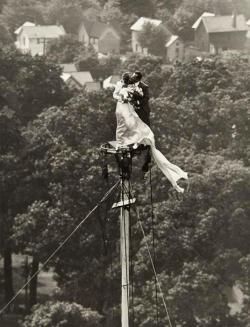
144	111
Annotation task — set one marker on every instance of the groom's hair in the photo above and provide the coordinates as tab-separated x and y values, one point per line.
138	75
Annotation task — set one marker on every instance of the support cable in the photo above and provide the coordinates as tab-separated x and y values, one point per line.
153	267
153	238
104	198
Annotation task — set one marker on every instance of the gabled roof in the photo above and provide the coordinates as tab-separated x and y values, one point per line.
171	40
82	77
65	76
218	24
25	24
205	14
68	68
95	29
138	25
43	31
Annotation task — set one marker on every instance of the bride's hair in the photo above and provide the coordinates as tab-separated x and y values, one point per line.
126	78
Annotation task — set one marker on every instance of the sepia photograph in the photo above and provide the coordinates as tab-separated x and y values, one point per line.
124	163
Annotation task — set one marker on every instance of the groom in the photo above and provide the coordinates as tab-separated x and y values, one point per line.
143	112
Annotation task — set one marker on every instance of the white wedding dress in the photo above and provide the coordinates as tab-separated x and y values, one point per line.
132	130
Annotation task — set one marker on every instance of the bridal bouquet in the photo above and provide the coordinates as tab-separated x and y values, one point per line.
132	94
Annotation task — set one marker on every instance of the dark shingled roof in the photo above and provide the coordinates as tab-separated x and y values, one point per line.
95	28
218	24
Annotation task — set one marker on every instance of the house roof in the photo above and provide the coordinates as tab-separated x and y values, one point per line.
68	68
205	14
111	81
45	31
218	24
138	25
82	77
95	28
65	76
171	40
17	31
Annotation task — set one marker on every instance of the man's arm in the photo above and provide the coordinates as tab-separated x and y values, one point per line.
146	95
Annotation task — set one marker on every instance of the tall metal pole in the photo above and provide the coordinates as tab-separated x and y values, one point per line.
123	157
124	236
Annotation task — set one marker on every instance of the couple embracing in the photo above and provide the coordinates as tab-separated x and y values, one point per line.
132	113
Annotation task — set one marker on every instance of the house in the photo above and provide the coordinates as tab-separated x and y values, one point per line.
247	46
214	34
136	28
80	80
175	49
105	38
33	38
68	68
111	81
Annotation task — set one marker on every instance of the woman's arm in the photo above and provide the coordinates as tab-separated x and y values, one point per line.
116	94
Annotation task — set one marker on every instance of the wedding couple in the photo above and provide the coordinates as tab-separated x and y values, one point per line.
132	114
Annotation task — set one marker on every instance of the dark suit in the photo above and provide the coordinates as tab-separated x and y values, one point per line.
144	111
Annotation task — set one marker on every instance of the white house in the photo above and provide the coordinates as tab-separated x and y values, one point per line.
136	28
33	38
248	36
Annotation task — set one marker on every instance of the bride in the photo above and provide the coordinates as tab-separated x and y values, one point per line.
132	130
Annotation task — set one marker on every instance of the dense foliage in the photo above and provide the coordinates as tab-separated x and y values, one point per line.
62	314
51	175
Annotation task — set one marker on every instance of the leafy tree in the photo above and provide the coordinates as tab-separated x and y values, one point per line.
88	61
194	249
69	13
153	38
63	205
65	49
170	5
11	169
5	36
138	8
15	13
29	84
62	313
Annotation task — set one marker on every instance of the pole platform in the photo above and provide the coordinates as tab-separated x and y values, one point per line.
113	147
125	203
